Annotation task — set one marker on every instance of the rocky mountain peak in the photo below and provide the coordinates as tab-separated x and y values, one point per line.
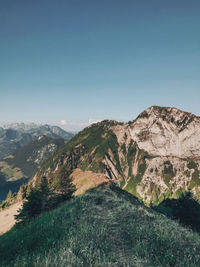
169	114
167	131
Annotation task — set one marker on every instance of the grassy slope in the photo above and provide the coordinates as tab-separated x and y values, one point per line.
101	228
90	138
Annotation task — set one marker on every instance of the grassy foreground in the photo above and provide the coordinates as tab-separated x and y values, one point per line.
104	227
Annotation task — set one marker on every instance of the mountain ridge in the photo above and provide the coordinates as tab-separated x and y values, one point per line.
155	156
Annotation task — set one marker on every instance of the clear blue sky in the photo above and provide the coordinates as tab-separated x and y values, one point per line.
81	60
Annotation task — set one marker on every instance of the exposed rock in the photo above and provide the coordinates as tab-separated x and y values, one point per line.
167	132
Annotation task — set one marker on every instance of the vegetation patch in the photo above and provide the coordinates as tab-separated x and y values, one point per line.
168	172
192	165
122	183
195	181
123	165
187	173
155	195
132	185
123	148
142	167
132	149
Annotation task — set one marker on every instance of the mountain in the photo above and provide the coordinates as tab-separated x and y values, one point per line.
14	136
21	125
154	157
104	227
35	129
24	162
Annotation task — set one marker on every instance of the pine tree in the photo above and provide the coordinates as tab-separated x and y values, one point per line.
64	187
46	194
31	207
42	198
37	201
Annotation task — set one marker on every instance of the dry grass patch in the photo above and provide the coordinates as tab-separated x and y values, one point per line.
85	180
7	219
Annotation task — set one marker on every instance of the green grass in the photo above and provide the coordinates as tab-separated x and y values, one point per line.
187	173
132	149
192	165
195	181
123	148
104	227
132	184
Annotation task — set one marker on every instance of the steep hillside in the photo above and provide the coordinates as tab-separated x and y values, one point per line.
106	227
19	167
153	157
15	136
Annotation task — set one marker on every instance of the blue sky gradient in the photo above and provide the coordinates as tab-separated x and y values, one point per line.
82	61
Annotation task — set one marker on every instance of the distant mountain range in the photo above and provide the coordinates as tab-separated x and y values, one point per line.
23	147
154	157
13	136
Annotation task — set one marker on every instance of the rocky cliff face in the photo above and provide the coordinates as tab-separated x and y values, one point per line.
167	132
153	157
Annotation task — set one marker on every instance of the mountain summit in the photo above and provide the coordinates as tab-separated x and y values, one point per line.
167	131
153	157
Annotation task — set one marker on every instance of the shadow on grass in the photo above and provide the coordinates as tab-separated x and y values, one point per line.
186	210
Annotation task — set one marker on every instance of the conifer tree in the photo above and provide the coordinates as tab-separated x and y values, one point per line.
31	207
42	198
37	201
64	187
46	194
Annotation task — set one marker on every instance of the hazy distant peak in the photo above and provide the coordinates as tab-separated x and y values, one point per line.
16	135
21	125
